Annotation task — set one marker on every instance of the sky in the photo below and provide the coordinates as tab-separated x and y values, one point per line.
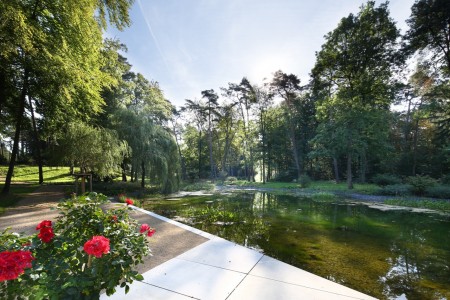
188	46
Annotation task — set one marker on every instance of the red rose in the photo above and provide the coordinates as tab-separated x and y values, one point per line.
46	234
43	224
13	263
129	201
97	246
144	228
151	232
114	218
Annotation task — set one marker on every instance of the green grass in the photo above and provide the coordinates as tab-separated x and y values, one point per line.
330	186
442	205
29	174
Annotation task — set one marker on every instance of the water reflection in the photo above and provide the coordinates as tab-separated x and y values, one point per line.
389	255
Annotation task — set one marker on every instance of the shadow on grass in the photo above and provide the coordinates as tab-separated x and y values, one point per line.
16	192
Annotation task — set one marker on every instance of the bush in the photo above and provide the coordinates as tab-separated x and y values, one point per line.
445	179
199	186
419	184
54	264
396	190
304	181
386	179
440	191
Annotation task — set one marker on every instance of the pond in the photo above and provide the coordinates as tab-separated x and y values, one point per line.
386	254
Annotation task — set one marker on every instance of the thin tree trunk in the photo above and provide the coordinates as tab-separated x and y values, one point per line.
37	143
132	173
124	175
349	171
336	170
20	112
416	136
362	175
143	175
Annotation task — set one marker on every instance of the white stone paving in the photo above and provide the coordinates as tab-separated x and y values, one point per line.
219	269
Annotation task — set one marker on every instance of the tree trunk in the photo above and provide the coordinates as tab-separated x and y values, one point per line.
416	137
132	173
349	171
336	170
143	175
199	153
37	143
124	175
20	112
362	175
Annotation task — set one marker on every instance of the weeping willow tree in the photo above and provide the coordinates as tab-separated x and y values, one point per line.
153	149
96	150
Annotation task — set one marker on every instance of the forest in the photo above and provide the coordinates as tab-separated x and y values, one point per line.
377	103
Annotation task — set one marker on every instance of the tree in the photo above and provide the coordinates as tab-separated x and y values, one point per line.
53	45
287	87
353	78
211	109
429	34
91	149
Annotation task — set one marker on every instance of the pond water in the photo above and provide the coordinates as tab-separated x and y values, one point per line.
386	254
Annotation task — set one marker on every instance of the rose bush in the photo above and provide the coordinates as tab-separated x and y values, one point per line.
87	250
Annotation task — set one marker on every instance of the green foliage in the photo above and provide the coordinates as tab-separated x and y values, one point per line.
386	179
419	184
91	149
440	191
199	186
304	181
442	205
231	180
445	179
62	270
396	190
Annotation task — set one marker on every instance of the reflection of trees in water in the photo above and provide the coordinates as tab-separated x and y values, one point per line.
413	249
414	264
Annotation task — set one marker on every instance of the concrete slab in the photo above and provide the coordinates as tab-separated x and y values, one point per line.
144	291
224	254
194	279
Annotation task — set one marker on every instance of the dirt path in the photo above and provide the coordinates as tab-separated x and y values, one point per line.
168	242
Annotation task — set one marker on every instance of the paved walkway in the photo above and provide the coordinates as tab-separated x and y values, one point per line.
219	269
168	242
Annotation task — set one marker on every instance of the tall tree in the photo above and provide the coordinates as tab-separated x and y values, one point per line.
429	33
287	86
57	43
211	110
355	67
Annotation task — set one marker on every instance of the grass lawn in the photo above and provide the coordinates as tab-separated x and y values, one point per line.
29	174
25	181
366	188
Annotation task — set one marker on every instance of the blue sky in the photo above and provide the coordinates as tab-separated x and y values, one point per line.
193	45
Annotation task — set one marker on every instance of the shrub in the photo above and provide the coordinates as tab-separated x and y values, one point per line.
386	179
304	181
419	184
85	251
445	179
440	191
199	186
396	190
